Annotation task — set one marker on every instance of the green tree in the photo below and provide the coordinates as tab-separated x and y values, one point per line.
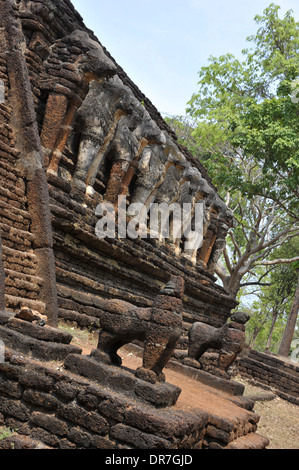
243	125
261	224
276	299
249	108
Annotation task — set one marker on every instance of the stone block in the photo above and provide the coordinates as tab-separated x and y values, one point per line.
14	408
81	438
45	350
91	421
34	380
40	399
118	379
43	333
49	423
138	439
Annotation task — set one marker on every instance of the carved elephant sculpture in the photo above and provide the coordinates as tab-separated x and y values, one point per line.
76	69
159	327
229	339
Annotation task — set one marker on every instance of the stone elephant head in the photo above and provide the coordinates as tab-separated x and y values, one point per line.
93	61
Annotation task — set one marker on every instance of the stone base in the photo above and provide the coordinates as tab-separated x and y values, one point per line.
51	407
228	386
273	371
41	342
123	380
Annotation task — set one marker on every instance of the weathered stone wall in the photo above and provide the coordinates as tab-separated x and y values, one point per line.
22	284
26	226
94	152
273	371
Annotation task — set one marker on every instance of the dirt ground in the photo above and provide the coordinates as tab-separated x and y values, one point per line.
279	419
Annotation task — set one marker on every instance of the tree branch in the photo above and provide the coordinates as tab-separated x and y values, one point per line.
257	283
227	261
219	270
278	261
235	243
288	232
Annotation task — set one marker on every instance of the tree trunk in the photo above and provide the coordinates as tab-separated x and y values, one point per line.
290	327
255	333
233	285
274	318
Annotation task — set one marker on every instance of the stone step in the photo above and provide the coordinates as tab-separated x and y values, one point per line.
37	348
121	380
266	396
42	333
250	441
16	303
228	386
21	442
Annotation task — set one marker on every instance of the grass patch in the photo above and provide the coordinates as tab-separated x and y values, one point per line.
87	339
5	432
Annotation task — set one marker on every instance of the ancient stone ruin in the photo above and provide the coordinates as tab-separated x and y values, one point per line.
273	372
229	340
76	133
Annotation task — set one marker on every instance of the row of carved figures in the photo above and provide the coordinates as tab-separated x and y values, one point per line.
110	120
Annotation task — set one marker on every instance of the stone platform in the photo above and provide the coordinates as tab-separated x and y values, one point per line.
78	402
40	342
123	380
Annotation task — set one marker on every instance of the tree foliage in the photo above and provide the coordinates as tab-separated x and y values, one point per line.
270	312
243	125
245	107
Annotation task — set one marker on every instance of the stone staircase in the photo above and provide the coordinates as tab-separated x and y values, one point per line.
250	441
31	339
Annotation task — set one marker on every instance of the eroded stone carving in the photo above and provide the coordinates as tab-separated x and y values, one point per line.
133	134
112	119
229	339
117	134
73	62
159	327
97	120
161	171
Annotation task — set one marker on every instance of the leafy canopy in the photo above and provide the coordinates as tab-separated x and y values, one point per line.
250	108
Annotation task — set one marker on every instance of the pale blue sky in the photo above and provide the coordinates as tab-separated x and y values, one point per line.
162	44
